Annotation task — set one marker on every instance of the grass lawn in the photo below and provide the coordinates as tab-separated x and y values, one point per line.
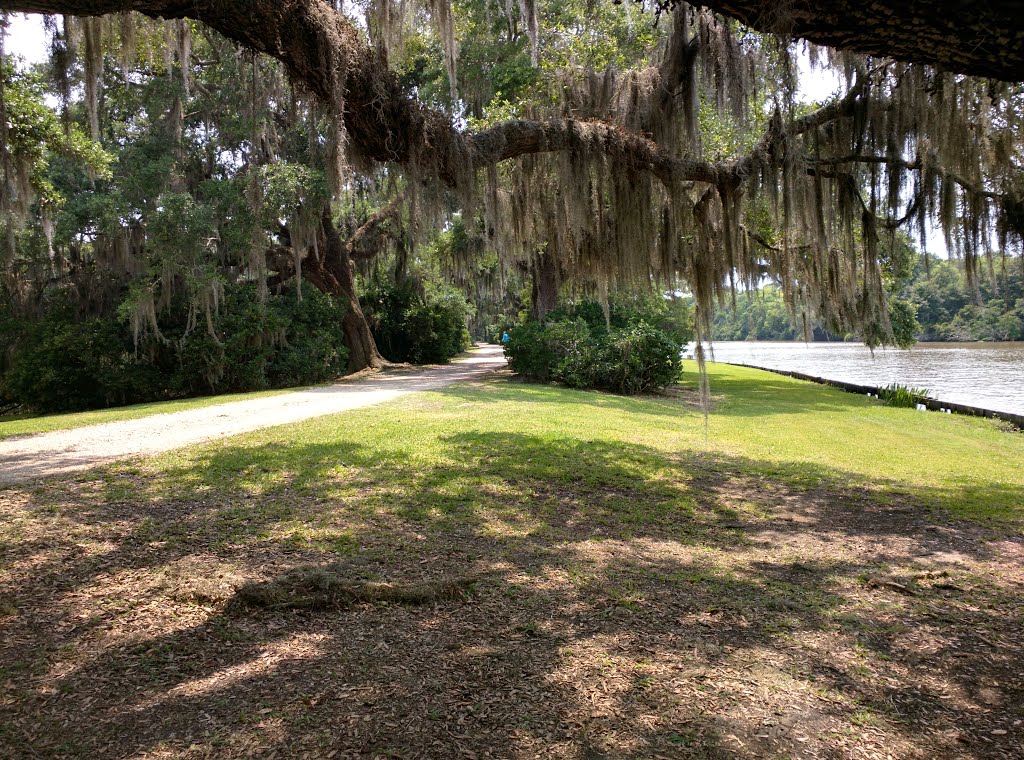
508	570
28	424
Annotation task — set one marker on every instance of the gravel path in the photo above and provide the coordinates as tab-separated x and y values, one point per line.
62	451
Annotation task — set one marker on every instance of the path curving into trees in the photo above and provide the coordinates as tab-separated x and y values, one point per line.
64	451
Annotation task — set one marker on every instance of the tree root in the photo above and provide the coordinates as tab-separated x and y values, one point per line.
322	588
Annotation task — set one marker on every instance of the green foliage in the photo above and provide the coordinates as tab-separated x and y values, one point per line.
36	136
948	310
529	352
637	359
574	345
896	394
312	349
496	73
280	343
578	349
290	191
64	363
180	227
421	327
672	315
903	318
757	315
926	304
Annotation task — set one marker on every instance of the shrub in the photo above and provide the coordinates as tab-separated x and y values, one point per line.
235	357
637	359
529	353
276	344
630	360
575	348
63	363
421	328
313	349
673	316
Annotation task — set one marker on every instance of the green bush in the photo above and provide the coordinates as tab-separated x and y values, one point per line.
630	360
574	348
673	316
637	359
280	343
529	354
63	363
421	328
312	349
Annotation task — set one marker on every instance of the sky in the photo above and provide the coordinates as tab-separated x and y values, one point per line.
25	37
27	40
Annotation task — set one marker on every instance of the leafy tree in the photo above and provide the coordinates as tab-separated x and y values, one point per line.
586	148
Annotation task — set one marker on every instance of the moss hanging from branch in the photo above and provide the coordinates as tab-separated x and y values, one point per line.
441	12
615	180
92	31
528	16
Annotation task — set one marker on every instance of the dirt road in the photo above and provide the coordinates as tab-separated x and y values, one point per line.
62	451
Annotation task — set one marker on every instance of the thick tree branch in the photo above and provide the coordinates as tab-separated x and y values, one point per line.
384	123
916	165
518	138
985	39
366	241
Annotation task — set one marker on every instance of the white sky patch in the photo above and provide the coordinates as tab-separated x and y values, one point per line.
816	84
26	38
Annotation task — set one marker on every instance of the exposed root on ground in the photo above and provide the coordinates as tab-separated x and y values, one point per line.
323	588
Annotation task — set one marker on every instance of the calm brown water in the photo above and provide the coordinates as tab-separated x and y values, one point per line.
987	375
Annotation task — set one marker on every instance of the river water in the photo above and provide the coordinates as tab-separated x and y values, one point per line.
986	375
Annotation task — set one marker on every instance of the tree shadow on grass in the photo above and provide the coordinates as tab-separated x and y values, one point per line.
635	604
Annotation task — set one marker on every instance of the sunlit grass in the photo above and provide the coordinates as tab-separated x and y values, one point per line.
442	455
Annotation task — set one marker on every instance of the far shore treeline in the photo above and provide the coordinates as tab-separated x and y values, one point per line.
944	306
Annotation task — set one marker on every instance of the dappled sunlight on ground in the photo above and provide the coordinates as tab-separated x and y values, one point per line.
630	599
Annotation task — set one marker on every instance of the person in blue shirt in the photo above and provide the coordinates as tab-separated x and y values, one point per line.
504	337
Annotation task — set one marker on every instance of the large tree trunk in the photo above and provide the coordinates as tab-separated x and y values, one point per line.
963	36
546	282
362	347
333	273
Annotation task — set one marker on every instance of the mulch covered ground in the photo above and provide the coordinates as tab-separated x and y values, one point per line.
822	623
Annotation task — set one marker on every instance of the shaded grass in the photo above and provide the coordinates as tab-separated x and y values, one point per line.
643	590
327	588
29	424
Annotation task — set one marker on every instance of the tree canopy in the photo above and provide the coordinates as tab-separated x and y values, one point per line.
597	145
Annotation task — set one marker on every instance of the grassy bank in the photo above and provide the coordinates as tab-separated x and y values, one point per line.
527	571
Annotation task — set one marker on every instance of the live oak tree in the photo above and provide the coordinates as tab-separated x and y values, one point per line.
984	39
686	161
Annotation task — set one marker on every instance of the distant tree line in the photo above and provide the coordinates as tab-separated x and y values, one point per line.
937	302
950	309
